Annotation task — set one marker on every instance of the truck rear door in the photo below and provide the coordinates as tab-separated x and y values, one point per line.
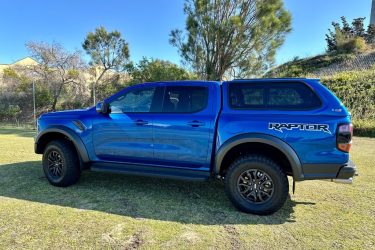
184	130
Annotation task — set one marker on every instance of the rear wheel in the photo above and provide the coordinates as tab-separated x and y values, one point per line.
256	184
61	164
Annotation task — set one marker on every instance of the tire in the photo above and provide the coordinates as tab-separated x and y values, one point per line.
61	163
269	187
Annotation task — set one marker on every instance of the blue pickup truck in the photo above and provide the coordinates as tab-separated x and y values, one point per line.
250	133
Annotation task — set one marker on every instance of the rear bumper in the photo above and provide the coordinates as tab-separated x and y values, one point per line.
329	171
347	171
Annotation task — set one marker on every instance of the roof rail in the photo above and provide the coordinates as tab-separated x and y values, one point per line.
268	78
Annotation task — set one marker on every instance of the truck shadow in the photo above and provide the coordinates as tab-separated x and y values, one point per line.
137	197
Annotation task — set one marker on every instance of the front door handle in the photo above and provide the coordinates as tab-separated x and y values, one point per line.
141	122
196	123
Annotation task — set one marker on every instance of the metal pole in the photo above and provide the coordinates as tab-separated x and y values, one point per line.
93	90
34	103
372	16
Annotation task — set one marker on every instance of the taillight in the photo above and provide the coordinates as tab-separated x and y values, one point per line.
344	137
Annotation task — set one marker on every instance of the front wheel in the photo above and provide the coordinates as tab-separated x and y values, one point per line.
256	184
61	164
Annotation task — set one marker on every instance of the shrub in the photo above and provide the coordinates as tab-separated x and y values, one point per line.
356	89
364	128
354	45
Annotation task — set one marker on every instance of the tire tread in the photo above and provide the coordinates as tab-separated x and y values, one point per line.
71	160
255	158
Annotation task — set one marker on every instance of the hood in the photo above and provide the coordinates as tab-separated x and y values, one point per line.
68	113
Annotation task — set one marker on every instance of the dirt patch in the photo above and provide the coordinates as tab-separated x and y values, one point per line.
233	236
135	241
187	238
117	240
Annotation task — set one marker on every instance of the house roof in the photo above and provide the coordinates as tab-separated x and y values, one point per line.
26	61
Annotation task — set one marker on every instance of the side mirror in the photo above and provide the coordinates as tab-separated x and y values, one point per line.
102	108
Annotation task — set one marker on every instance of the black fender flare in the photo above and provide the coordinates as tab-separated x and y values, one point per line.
261	138
70	134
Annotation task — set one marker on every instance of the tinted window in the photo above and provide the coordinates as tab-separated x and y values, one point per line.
294	96
247	96
184	99
138	100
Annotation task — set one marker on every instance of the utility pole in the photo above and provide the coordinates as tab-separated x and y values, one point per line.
34	103
93	93
372	16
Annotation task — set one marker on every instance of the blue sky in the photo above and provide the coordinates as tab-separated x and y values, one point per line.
146	24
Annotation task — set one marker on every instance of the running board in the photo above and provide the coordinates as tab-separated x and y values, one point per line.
150	171
343	181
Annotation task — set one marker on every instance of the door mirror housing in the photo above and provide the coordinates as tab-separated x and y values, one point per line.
102	108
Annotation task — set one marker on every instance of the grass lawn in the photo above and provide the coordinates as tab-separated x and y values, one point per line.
126	212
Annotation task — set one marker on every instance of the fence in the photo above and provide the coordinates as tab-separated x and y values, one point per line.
360	62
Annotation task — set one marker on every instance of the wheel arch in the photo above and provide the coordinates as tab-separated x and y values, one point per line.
258	138
55	132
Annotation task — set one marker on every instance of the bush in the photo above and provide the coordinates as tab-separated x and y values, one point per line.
354	45
356	89
9	112
364	128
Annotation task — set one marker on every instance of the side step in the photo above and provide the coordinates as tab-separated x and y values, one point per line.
151	171
343	181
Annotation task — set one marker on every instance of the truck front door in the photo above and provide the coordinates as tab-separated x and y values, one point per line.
126	134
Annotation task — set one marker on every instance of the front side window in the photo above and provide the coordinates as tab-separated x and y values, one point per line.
291	96
135	101
184	99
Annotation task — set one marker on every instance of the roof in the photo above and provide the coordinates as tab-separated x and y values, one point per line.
183	81
274	79
26	61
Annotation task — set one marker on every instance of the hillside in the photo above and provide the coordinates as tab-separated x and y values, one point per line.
324	65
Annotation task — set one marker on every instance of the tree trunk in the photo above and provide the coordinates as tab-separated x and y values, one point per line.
56	97
54	103
96	83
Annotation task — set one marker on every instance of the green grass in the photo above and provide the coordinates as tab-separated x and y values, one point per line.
126	212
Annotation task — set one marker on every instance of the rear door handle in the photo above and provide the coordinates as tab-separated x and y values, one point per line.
141	122
196	123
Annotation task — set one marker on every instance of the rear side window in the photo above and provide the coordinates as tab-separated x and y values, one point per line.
184	99
291	96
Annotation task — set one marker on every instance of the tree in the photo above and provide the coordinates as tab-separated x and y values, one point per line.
237	37
108	51
16	95
347	38
151	70
347	30
56	68
358	27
